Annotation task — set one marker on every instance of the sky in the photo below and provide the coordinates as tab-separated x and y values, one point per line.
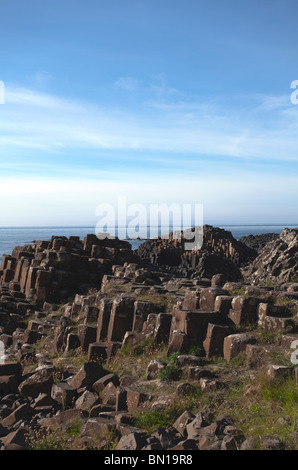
157	101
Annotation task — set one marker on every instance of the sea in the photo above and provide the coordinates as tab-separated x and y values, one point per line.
19	236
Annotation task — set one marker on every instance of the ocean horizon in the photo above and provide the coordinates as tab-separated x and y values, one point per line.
19	236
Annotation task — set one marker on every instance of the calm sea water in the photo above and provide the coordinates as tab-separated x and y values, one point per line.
18	236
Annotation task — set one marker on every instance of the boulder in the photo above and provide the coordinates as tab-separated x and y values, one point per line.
89	373
277	261
40	381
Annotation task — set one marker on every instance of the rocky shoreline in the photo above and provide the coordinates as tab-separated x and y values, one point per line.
173	323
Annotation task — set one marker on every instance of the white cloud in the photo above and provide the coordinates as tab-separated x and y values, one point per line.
41	120
73	200
127	83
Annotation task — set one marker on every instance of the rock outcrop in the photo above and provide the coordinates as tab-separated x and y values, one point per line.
220	253
277	262
51	270
257	242
56	369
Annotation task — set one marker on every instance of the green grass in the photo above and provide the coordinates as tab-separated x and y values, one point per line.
270	409
235	292
169	373
150	420
268	337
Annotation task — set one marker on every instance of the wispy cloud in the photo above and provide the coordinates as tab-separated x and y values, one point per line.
71	200
127	83
268	130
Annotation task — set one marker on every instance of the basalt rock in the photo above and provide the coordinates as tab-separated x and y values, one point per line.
257	242
277	261
51	270
220	253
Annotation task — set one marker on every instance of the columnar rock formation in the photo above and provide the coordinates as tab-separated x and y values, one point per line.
220	253
53	269
277	261
111	300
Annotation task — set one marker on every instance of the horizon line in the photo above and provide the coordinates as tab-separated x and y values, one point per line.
143	226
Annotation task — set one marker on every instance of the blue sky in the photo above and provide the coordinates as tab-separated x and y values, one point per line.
157	101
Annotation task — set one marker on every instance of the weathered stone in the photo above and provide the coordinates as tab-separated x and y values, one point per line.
193	428
89	373
153	369
163	327
129	339
16	440
121	396
87	335
285	325
208	384
272	443
86	401
244	310
213	344
105	306
194	324
251	443
40	381
6	340
43	400
97	352
182	422
121	318
11	368
208	296
22	413
254	356
141	311
188	444
191	300
112	348
165	438
101	383
90	314
135	398
187	360
26	354
277	260
72	342
63	393
108	394
268	310
232	442
31	336
99	427
209	442
276	371
179	342
184	389
63	420
218	280
132	441
8	384
236	344
223	304
196	373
